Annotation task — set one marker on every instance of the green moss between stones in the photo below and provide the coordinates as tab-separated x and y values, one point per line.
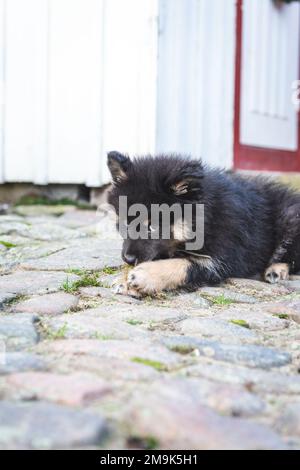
182	348
145	443
7	244
221	300
282	316
134	322
17	299
242	323
44	201
86	280
147	362
102	337
109	270
58	334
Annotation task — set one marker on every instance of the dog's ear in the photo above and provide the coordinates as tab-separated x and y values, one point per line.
189	181
118	165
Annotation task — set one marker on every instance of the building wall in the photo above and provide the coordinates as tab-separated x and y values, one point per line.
77	78
196	79
81	77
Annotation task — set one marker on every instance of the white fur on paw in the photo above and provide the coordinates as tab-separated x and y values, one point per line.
120	289
277	272
142	280
123	289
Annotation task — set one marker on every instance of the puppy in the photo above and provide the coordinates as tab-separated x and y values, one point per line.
250	225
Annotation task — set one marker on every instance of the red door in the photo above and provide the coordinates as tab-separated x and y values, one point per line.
267	125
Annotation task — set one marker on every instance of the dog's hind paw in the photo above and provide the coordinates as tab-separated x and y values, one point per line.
277	272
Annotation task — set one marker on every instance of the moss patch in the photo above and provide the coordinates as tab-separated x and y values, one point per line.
242	323
35	200
17	299
78	272
86	280
134	322
145	443
58	334
283	316
109	270
182	349
147	362
221	300
102	337
7	244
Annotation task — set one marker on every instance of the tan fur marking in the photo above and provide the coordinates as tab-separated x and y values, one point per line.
180	188
276	272
155	276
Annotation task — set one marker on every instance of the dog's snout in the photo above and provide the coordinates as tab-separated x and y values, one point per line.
129	258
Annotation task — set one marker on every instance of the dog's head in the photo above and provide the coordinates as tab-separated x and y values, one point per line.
144	191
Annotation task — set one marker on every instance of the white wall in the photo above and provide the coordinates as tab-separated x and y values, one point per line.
1	90
81	77
196	73
77	78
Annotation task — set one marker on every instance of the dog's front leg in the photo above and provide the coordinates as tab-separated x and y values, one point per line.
152	277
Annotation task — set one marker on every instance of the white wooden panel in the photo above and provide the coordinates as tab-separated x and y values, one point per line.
41	89
217	105
180	27
76	45
196	79
130	59
24	58
2	52
270	64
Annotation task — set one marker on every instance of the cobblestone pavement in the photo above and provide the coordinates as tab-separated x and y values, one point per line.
86	368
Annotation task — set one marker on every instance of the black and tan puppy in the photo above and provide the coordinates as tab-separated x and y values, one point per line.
251	225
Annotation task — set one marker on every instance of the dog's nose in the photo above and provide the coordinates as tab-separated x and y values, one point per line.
129	259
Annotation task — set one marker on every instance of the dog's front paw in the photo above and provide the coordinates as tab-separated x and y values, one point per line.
124	289
153	277
144	279
277	272
120	289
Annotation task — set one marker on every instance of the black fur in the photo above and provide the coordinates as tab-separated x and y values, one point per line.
250	222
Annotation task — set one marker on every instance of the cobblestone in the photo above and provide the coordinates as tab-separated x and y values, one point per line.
19	362
18	332
213	369
42	425
49	304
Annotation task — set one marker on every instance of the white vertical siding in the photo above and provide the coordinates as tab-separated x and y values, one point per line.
75	90
196	79
129	106
180	77
80	79
2	29
24	63
41	81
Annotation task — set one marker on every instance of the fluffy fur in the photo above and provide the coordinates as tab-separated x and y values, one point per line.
251	224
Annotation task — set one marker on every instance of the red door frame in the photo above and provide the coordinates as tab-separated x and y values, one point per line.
256	158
